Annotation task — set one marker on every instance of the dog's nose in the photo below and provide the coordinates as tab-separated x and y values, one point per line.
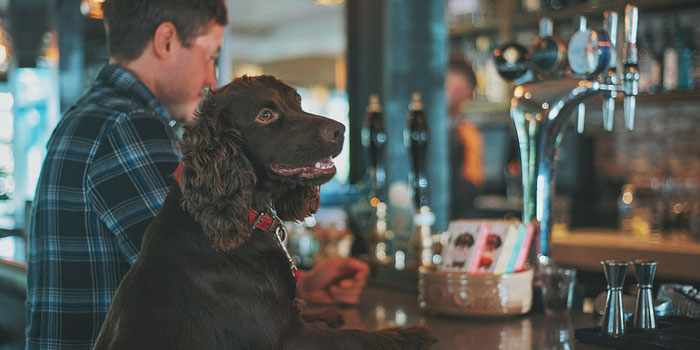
333	132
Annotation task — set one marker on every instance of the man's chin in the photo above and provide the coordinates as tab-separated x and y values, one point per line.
184	115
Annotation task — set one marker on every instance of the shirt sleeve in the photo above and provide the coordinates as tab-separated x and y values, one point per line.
130	175
472	164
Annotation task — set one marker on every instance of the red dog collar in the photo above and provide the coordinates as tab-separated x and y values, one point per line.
178	172
261	221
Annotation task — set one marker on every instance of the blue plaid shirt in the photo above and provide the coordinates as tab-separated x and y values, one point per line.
105	177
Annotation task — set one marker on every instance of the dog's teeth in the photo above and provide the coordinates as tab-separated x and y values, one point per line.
317	165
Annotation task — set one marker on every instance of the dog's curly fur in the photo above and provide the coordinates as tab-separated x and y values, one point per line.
218	179
205	278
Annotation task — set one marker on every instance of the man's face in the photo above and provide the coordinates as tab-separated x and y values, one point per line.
457	91
193	69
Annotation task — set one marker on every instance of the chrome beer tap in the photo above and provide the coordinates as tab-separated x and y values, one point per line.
374	140
630	58
610	26
581	120
541	110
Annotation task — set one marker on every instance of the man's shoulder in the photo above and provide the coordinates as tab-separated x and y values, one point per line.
100	108
99	114
112	102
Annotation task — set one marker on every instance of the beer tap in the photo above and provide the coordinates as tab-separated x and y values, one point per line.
540	110
548	51
416	139
630	58
610	26
590	54
582	27
374	140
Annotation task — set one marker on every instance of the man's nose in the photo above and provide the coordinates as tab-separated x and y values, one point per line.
210	80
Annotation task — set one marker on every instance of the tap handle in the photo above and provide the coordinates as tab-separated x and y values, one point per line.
582	24
630	51
609	111
631	76
581	118
630	108
546	27
610	26
631	22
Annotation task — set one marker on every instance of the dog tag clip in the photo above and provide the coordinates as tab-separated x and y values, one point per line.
283	229
281	241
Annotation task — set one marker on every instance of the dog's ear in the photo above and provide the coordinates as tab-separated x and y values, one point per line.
217	179
298	202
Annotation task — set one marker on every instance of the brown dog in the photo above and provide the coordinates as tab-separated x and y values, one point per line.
205	278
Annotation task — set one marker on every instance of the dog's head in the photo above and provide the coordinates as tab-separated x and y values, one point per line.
252	136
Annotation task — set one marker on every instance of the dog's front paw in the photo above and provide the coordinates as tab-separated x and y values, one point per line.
415	337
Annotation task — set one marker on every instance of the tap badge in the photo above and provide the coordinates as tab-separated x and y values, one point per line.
512	61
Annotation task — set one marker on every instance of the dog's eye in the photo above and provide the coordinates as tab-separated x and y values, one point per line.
266	116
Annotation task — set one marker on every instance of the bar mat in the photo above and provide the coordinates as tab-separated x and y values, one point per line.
676	333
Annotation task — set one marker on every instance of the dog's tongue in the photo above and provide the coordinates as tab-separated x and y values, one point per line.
322	167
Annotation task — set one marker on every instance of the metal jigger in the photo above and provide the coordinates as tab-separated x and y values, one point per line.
614	321
644	311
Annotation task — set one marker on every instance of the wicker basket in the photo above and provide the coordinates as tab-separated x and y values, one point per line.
462	294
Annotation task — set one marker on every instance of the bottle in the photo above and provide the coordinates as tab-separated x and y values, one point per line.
332	234
656	54
645	64
480	65
416	138
696	56
685	60
531	5
625	205
669	202
670	59
657	209
374	139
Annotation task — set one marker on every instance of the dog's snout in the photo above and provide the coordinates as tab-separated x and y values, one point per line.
333	132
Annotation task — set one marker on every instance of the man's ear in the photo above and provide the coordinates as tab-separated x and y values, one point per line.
164	38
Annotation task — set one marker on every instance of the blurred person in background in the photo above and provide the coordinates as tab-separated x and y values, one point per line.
466	144
109	164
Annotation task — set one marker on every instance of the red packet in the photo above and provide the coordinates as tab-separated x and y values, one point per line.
461	238
475	260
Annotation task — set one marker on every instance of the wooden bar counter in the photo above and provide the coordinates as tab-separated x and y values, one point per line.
678	255
382	307
386	307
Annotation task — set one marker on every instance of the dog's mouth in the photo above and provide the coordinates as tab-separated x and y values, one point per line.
321	168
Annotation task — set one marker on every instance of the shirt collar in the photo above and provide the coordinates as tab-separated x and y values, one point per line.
126	81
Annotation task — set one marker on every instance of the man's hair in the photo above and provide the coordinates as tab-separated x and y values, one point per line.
460	65
131	24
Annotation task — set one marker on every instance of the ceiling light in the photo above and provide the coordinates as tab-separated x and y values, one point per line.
329	2
92	8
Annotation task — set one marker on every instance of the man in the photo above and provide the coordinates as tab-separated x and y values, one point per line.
109	164
466	144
